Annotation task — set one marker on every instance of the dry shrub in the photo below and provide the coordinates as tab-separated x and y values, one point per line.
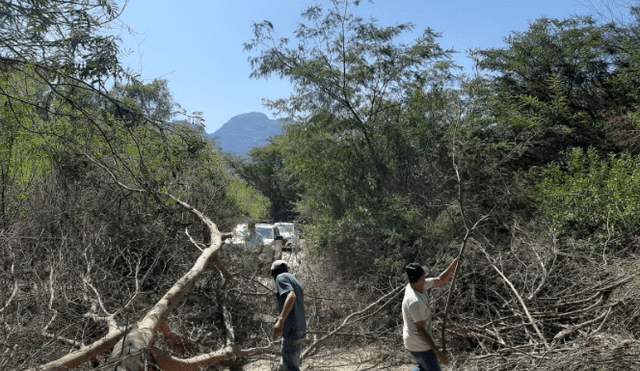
587	311
488	327
81	250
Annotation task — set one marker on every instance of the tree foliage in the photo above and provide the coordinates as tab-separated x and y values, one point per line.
594	196
559	79
266	172
65	37
368	112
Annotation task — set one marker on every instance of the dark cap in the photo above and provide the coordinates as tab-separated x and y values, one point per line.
414	271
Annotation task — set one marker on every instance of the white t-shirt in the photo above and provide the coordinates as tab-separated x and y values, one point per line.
416	307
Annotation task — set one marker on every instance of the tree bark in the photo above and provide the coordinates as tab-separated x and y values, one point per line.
75	359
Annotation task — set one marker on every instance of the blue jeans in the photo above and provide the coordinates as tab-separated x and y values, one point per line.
291	352
427	361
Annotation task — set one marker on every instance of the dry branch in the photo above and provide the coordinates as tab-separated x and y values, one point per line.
599	291
15	285
563	334
467	234
176	342
169	363
524	306
390	296
575	303
70	342
75	359
142	336
110	321
225	274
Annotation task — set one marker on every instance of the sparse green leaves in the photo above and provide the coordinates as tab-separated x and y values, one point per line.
341	63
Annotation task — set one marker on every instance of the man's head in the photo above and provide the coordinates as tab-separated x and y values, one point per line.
279	266
414	272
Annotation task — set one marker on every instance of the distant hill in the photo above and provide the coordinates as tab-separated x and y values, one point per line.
244	132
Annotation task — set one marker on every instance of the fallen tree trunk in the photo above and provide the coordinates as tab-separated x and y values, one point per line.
139	338
75	359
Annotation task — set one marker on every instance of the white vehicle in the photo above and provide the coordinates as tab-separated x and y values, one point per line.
271	237
288	232
264	239
268	232
243	237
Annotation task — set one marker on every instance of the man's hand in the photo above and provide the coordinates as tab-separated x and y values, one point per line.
277	328
422	331
289	302
442	358
445	276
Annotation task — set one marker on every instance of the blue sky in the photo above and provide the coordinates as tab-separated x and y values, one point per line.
198	44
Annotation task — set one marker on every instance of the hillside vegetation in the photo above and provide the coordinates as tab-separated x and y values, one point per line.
114	205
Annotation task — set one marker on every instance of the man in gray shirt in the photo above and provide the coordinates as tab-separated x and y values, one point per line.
417	315
291	323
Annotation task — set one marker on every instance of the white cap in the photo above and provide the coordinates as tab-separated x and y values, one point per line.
279	264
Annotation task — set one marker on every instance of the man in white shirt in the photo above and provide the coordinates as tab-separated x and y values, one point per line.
417	315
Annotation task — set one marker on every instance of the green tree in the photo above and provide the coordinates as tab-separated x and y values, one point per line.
593	197
559	80
266	172
137	102
63	37
20	162
365	106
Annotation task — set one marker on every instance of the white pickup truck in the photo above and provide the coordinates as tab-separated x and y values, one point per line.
264	240
288	231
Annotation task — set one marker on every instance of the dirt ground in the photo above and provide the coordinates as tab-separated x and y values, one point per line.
347	360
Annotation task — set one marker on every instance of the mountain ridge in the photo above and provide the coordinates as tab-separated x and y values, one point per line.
246	131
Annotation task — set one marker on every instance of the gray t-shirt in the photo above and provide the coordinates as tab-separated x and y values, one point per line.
416	307
295	321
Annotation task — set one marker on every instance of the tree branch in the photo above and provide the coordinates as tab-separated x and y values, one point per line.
524	306
562	334
142	336
168	362
75	359
176	342
391	295
466	235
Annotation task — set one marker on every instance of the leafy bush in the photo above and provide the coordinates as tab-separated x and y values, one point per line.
592	196
248	200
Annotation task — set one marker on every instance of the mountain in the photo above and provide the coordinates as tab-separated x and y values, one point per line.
244	132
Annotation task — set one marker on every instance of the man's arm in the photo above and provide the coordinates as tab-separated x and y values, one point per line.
289	302
446	275
421	326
